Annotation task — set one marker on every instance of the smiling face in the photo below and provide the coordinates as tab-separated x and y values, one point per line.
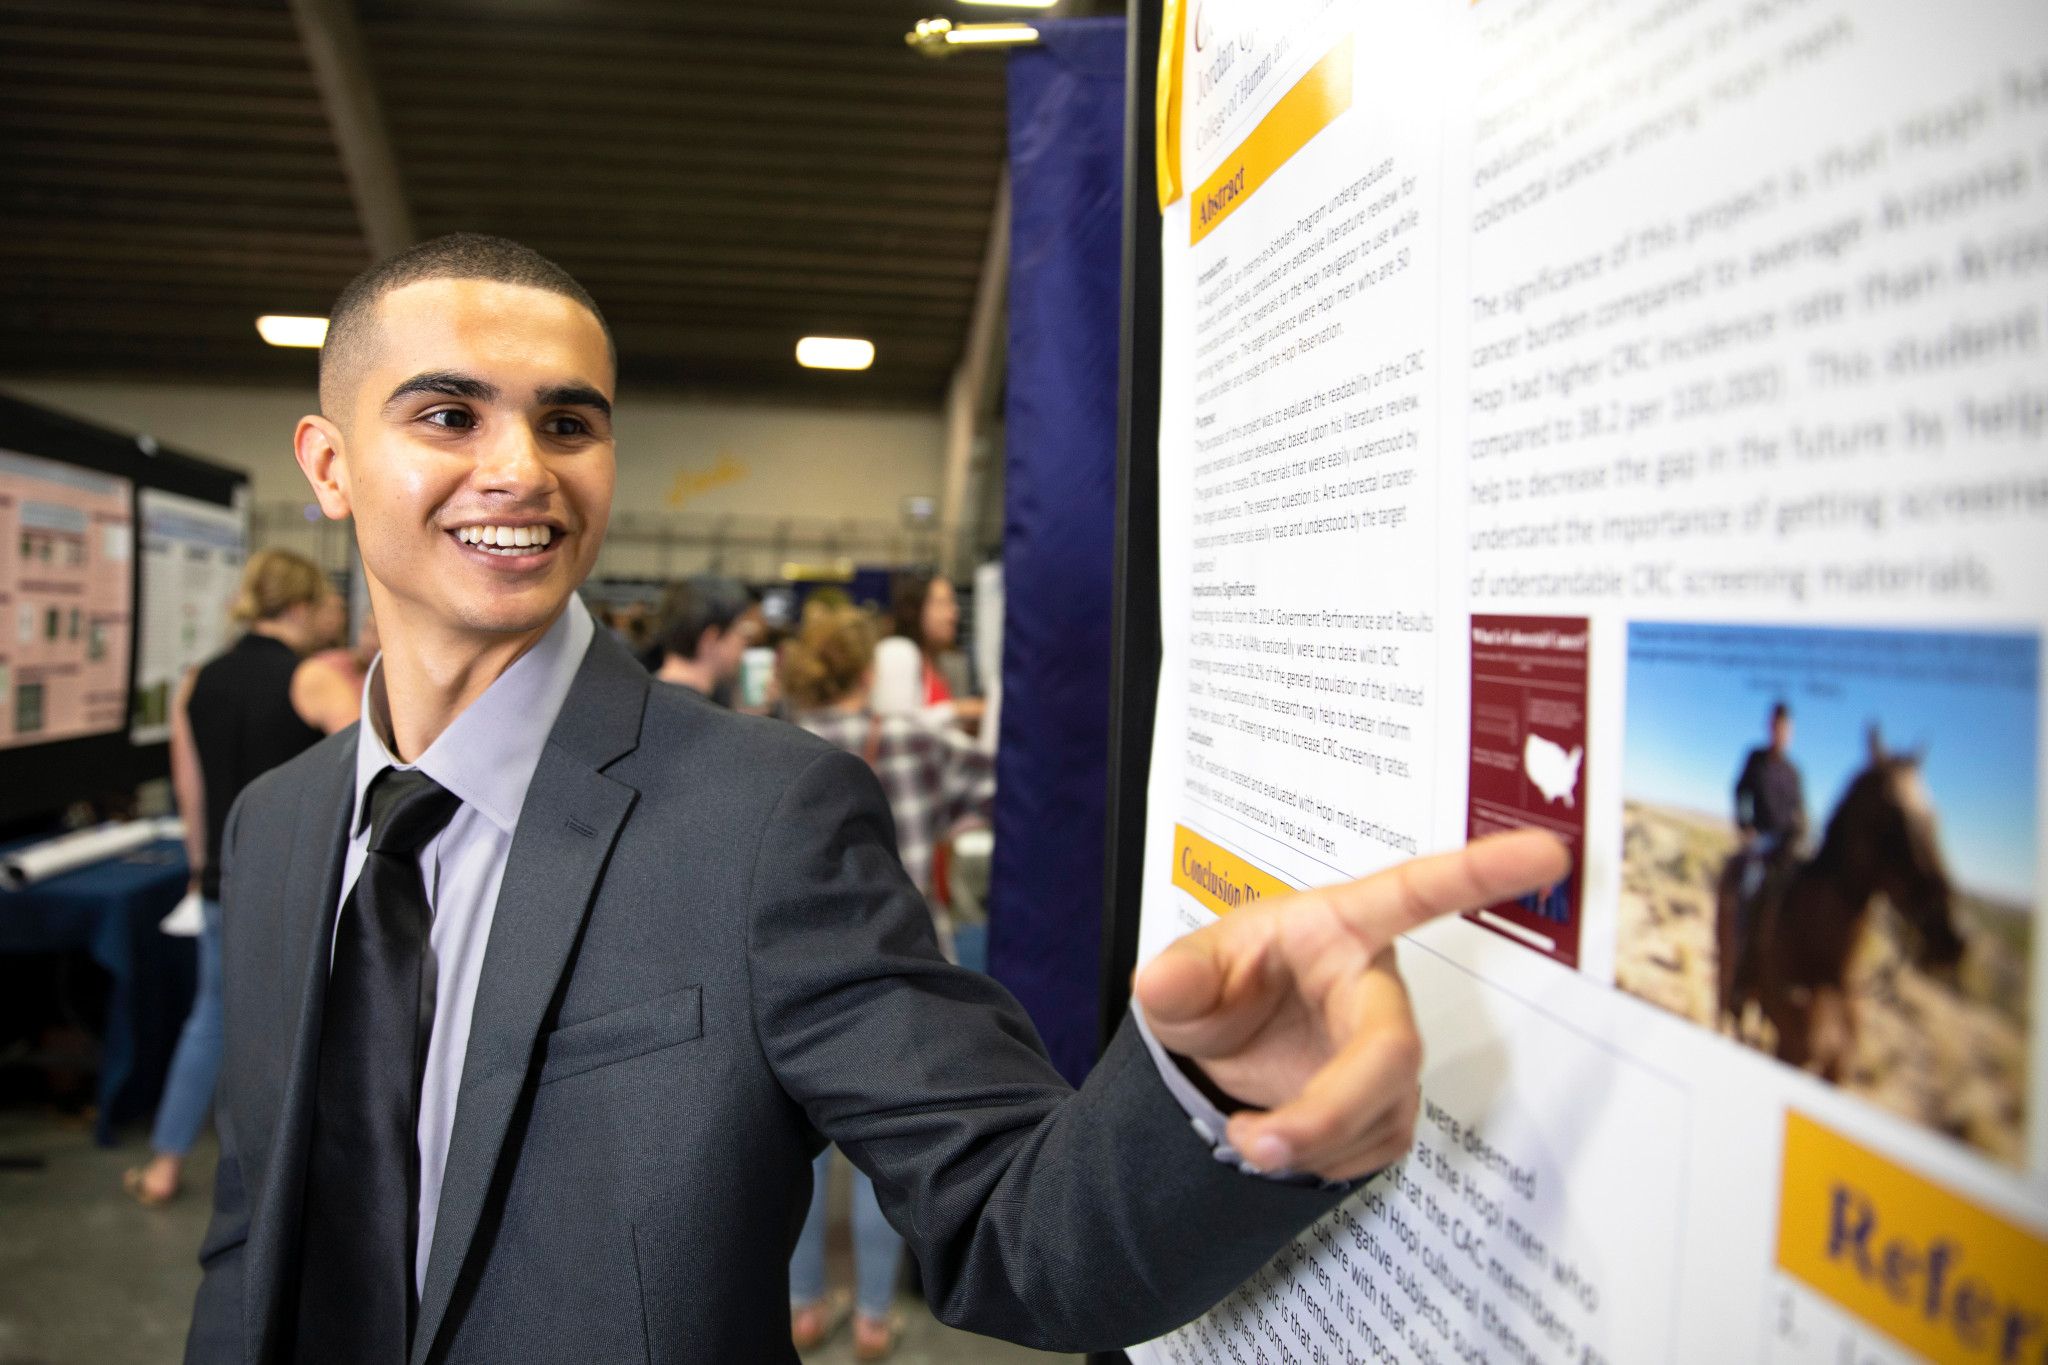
474	452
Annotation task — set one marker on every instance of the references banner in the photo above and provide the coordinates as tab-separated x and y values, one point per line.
1629	421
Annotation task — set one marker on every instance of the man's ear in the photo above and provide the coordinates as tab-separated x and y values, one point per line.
317	446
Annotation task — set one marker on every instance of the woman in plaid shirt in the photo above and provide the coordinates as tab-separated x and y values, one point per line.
935	779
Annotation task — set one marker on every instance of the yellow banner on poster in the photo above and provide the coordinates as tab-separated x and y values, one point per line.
1166	104
1316	99
1217	877
1934	1271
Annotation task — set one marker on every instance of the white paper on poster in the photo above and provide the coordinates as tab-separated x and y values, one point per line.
1545	406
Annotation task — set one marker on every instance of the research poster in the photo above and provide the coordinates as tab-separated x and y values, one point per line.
1629	420
66	582
192	554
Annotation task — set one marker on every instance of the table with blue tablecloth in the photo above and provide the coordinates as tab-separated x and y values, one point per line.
111	911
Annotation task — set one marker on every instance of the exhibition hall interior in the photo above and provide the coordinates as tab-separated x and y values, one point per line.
189	186
1137	682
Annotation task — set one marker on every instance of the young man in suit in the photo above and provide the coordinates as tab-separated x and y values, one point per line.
545	982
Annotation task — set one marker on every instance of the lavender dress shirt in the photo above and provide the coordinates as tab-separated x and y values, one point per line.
487	757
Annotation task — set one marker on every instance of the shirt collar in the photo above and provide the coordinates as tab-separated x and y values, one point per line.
488	754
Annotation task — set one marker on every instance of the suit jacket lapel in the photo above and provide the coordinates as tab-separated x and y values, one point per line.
311	895
572	817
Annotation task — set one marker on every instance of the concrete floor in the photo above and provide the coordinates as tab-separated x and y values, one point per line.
88	1277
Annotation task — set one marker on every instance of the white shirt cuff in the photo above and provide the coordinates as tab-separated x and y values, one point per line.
1210	1123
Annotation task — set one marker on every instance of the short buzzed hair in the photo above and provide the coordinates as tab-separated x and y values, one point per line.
457	256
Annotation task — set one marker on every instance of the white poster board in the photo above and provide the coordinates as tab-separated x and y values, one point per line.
1630	420
192	553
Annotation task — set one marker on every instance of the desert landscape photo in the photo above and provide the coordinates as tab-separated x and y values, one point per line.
1952	1056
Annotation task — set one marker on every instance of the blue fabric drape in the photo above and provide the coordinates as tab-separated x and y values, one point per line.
1066	106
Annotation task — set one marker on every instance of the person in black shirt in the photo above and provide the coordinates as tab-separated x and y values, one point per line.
1770	804
233	720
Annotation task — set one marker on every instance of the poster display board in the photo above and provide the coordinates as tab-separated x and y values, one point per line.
1631	421
66	583
192	553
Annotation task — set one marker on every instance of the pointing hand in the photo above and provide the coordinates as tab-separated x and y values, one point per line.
1295	1006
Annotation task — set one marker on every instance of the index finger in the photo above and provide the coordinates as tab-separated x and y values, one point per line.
1484	872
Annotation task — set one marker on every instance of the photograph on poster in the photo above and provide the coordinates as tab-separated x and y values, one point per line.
1828	853
1529	761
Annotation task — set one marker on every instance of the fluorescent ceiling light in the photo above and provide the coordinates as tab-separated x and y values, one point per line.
835	353
1014	4
281	330
937	37
993	33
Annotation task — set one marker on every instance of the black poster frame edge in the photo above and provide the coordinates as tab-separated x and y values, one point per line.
1135	640
1134	621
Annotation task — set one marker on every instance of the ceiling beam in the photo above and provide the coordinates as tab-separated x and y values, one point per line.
341	69
977	373
57	96
25	42
228	133
584	76
85	69
134	13
169	158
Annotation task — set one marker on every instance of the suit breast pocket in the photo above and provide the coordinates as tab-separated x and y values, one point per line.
621	1035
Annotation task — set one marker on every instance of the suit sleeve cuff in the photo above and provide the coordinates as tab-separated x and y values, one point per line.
1211	1125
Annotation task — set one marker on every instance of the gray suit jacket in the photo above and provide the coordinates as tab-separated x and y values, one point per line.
706	962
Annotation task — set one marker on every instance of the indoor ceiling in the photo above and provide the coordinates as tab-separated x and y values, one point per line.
724	178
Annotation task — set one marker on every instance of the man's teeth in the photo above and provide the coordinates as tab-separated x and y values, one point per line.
506	539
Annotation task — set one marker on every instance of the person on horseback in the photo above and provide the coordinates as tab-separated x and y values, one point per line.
1770	814
1770	806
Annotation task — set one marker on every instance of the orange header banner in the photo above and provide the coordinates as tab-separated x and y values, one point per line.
1935	1272
1166	103
1311	106
1218	878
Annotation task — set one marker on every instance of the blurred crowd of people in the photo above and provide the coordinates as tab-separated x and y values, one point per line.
890	686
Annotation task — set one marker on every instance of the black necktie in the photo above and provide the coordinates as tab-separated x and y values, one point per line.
356	1300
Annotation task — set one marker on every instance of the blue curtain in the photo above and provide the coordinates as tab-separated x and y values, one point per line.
1066	240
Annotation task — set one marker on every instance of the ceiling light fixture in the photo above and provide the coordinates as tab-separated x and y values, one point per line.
937	37
835	353
284	330
993	33
1014	4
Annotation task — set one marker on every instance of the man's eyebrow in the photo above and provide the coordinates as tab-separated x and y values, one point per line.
572	396
450	383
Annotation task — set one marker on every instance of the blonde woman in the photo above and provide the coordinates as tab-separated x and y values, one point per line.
233	720
934	778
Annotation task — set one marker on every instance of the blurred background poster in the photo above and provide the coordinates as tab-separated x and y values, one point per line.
192	554
66	538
